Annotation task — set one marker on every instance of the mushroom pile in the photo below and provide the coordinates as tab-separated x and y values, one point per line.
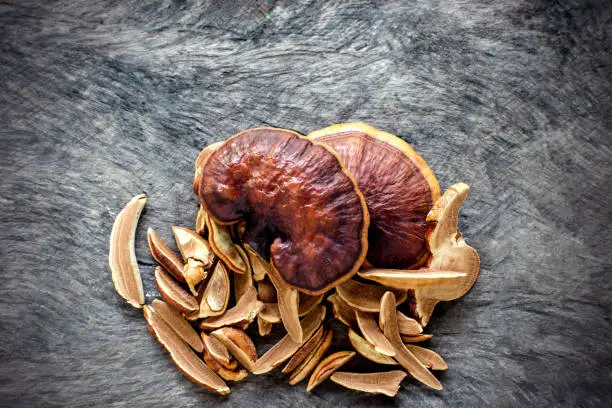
348	218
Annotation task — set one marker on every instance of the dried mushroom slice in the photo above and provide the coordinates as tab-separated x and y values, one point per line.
303	209
241	315
243	281
178	323
165	256
449	253
259	266
287	305
377	383
201	222
217	350
202	157
192	245
417	339
122	257
307	303
328	366
370	330
225	373
173	294
366	349
239	345
407	325
223	246
215	296
366	298
311	361
184	358
304	351
428	358
398	186
412	279
402	354
194	273
342	311
266	292
264	328
286	347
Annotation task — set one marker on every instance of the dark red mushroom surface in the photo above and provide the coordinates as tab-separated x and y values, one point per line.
303	209
399	188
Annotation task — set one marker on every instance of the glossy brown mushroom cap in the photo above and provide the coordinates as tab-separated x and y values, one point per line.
399	188
303	210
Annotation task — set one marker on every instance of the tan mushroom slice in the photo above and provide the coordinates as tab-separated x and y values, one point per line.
202	157
196	251
311	361
239	345
270	313
178	323
403	356
122	256
243	281
428	358
224	372
259	265
215	296
216	349
407	325
173	293
370	330
263	328
194	273
304	211
411	279
241	315
342	311
288	306
223	246
365	297
307	303
201	222
376	383
165	256
182	355
304	351
328	366
367	350
266	292
449	252
416	339
286	347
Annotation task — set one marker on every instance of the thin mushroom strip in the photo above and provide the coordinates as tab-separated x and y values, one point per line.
370	330
327	367
287	305
366	298
377	383
215	296
165	256
178	323
311	361
216	349
429	358
304	351
122	257
402	354
411	279
367	350
223	246
240	315
173	293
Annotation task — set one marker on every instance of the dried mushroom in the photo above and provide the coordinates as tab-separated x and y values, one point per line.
241	315
365	297
122	257
223	246
311	361
412	279
215	296
376	383
224	372
201	222
367	350
304	351
184	358
165	256
342	311
328	366
398	186
202	157
370	330
239	345
449	253
196	251
302	207
173	293
428	358
417	339
178	323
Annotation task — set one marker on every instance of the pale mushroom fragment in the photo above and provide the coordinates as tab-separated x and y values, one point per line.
241	315
412	279
243	281
428	358
122	256
215	296
259	265
266	292
196	251
178	323
239	345
264	328
416	339
286	347
223	246
365	297
173	293
311	361
304	351
216	349
287	305
377	383
407	325
328	366
201	222
367	350
165	256
271	311
403	356
194	273
449	252
224	372
370	330
342	311
184	358
308	302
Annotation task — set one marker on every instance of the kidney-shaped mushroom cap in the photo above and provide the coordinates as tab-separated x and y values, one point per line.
303	209
399	188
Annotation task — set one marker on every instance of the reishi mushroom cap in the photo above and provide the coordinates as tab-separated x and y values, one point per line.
303	209
398	186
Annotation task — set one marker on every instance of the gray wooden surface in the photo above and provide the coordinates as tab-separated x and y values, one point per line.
103	100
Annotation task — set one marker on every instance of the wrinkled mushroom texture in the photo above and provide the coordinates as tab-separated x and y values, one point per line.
398	186
303	210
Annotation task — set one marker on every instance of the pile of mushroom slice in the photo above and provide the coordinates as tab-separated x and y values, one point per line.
288	227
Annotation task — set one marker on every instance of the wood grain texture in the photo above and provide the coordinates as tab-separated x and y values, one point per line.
102	100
